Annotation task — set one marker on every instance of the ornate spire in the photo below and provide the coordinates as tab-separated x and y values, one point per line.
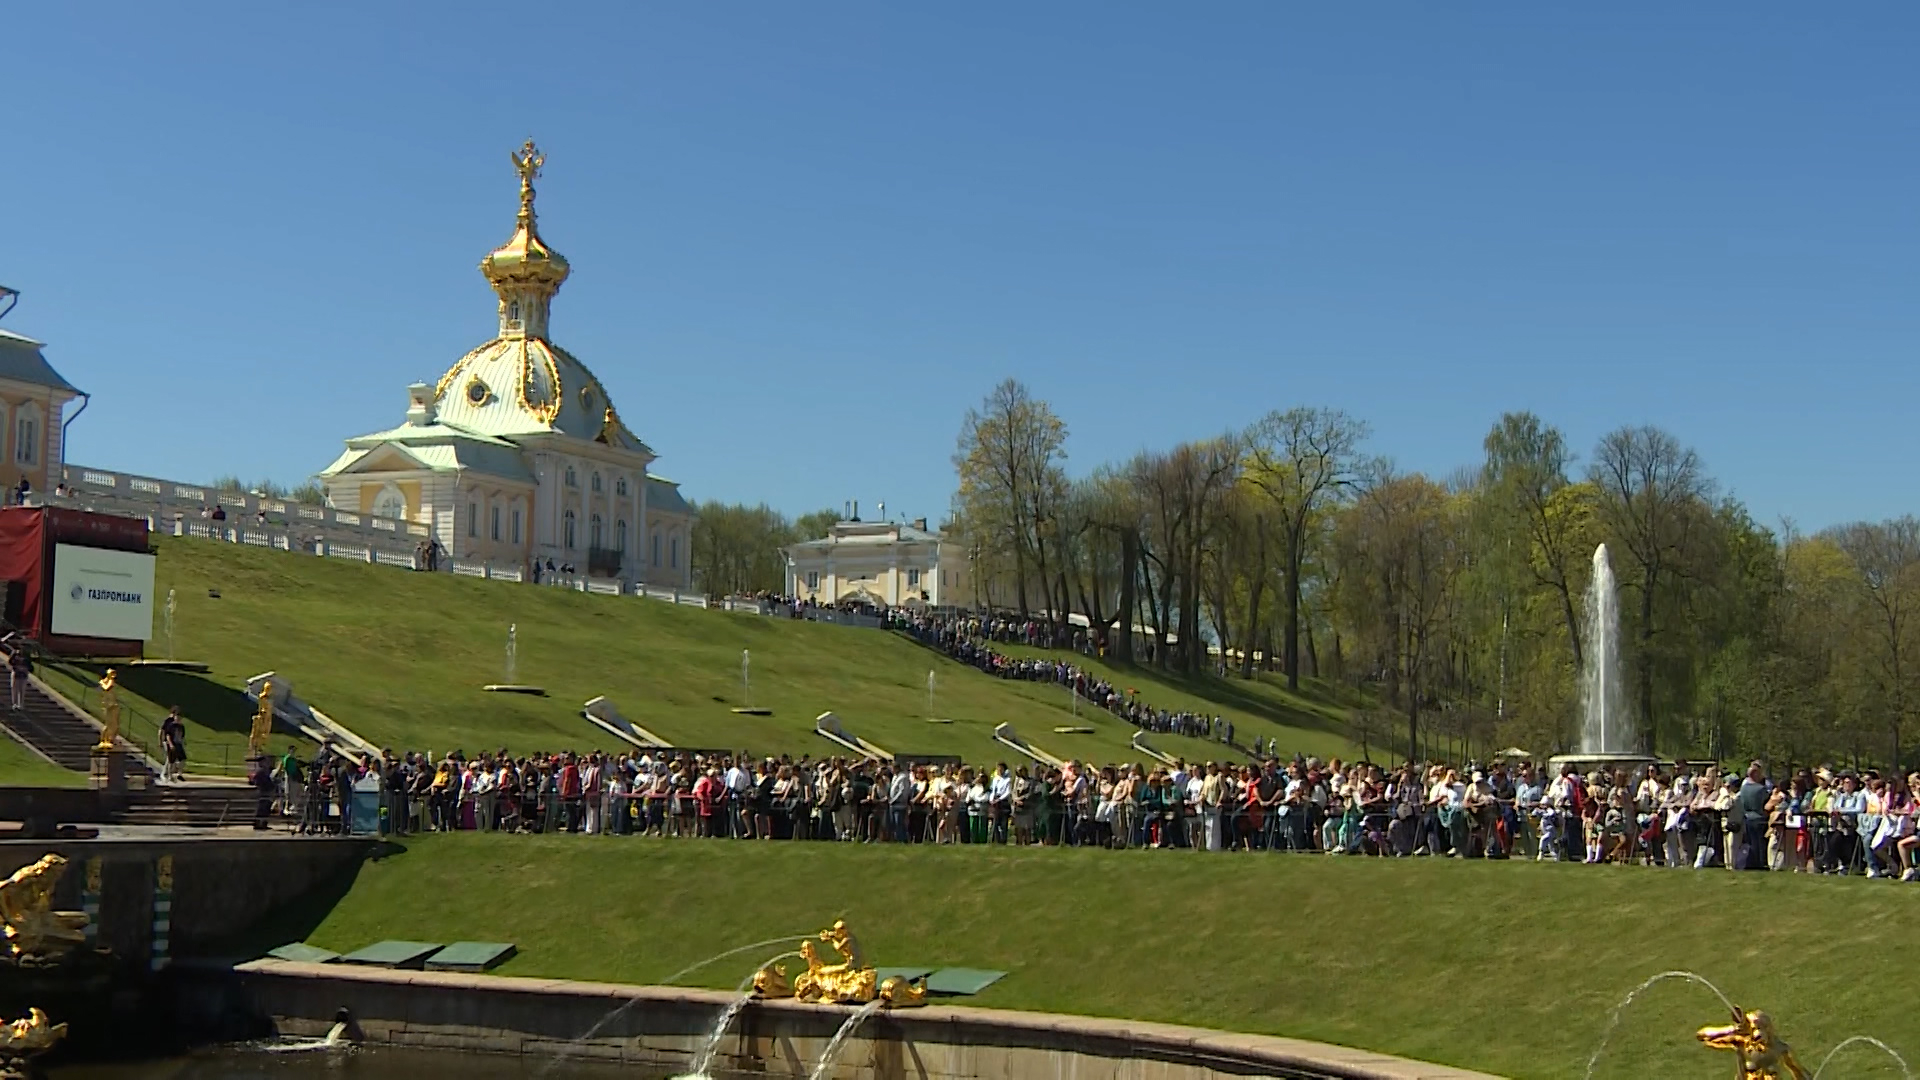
527	161
524	271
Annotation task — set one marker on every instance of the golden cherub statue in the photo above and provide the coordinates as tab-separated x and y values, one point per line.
29	1035
262	720
109	710
32	927
1760	1052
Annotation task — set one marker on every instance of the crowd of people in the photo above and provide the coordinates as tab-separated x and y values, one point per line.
967	641
1816	821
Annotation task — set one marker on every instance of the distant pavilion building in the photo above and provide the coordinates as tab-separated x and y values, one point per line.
33	401
517	454
883	563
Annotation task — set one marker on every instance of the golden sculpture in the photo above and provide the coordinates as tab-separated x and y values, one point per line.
527	161
262	720
33	928
163	874
1759	1051
30	1035
850	981
772	982
900	993
109	711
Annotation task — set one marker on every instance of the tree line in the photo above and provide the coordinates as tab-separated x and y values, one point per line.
737	548
1458	601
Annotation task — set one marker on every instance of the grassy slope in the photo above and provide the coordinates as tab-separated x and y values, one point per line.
1510	968
400	657
1317	715
21	767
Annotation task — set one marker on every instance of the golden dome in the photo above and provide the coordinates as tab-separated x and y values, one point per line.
525	259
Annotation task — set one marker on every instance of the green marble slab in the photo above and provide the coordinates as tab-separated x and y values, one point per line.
392	954
964	981
301	953
471	956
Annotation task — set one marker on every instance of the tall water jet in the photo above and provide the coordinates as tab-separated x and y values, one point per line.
1608	742
1603	728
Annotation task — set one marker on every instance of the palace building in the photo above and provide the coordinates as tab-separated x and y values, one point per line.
517	454
33	401
883	563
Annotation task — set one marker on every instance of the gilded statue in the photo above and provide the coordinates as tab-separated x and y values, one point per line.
109	711
850	981
1759	1051
900	993
772	982
29	1035
527	161
33	928
262	720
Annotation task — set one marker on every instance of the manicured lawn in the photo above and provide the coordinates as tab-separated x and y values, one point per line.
21	767
1510	968
400	657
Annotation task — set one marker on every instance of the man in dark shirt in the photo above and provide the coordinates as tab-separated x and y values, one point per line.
1751	807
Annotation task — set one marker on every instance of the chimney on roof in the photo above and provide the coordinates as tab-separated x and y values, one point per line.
920	523
419	404
856	511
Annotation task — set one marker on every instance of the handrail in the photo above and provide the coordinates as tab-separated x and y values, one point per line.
136	727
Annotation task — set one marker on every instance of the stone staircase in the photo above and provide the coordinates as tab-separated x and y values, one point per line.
51	726
201	805
59	732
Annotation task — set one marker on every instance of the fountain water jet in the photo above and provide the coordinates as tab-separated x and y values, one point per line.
824	1068
1613	1021
617	1013
1870	1041
1607	739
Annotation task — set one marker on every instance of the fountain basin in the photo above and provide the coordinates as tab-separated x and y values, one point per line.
1632	763
541	1018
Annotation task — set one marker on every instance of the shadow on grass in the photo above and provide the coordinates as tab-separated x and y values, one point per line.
297	919
209	704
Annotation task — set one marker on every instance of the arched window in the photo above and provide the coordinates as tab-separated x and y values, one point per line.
620	487
656	549
572	480
496	524
390	503
516	524
594	530
513	312
673	551
473	520
569	536
26	435
596	481
620	535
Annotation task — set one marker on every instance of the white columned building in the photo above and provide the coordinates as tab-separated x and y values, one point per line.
883	563
517	453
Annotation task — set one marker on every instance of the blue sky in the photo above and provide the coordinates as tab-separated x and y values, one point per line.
805	237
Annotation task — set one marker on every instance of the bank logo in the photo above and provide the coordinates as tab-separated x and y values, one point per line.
112	596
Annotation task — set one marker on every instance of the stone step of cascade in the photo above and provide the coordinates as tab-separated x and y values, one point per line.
189	804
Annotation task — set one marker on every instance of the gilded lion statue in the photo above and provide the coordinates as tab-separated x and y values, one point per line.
32	927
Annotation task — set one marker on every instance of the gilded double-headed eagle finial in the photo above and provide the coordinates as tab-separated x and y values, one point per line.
527	161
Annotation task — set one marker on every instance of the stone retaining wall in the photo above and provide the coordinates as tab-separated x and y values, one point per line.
659	1028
